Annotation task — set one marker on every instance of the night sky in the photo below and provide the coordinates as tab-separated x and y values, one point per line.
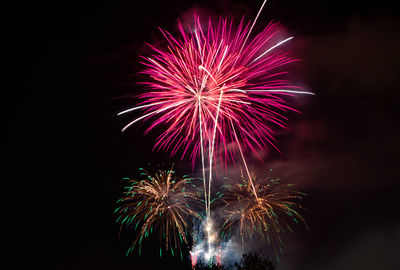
74	66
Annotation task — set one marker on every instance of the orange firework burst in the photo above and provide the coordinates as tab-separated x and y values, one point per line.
159	202
267	213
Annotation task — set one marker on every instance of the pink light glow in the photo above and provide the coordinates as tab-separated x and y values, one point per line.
218	256
193	259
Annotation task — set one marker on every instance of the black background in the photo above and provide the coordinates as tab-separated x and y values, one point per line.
73	66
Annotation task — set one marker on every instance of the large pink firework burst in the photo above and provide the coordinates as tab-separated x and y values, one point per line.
214	86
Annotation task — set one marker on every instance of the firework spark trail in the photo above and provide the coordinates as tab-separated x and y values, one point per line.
273	47
251	28
245	163
202	161
212	150
158	202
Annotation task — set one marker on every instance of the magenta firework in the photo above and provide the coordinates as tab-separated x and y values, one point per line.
216	86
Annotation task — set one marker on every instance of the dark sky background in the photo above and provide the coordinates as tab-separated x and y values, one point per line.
72	66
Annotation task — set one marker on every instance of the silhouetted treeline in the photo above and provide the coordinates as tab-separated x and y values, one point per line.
249	261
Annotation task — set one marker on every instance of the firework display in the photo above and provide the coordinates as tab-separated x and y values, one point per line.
214	91
266	214
158	203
